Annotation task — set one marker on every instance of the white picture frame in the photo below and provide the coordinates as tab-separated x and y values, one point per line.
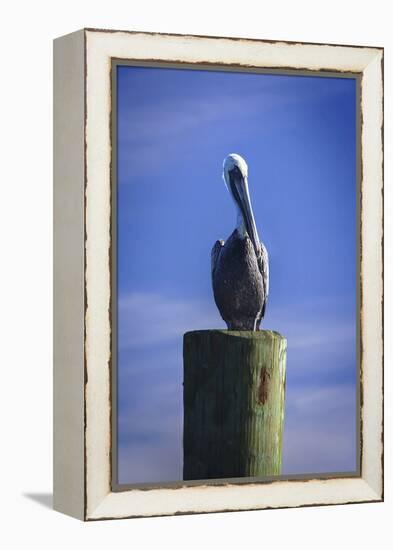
82	272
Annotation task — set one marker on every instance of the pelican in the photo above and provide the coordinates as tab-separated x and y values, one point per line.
240	266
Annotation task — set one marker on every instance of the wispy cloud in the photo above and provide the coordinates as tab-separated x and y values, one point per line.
147	319
151	462
155	134
308	335
181	115
158	135
150	421
138	420
184	111
325	400
320	430
321	334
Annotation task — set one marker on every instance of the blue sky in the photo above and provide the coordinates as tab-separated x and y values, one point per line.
298	136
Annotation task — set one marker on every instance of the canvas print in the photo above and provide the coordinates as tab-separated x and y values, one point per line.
235	275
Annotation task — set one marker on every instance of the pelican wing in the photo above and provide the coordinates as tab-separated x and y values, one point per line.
263	264
216	250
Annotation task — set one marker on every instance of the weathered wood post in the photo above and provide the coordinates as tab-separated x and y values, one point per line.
234	393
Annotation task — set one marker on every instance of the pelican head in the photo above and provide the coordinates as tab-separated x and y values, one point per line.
235	174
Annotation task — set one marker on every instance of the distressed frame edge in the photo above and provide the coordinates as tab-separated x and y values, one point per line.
104	510
372	273
374	495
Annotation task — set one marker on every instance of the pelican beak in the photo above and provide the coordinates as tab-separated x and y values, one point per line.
239	188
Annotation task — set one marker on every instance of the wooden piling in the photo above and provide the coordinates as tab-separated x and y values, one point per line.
234	394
